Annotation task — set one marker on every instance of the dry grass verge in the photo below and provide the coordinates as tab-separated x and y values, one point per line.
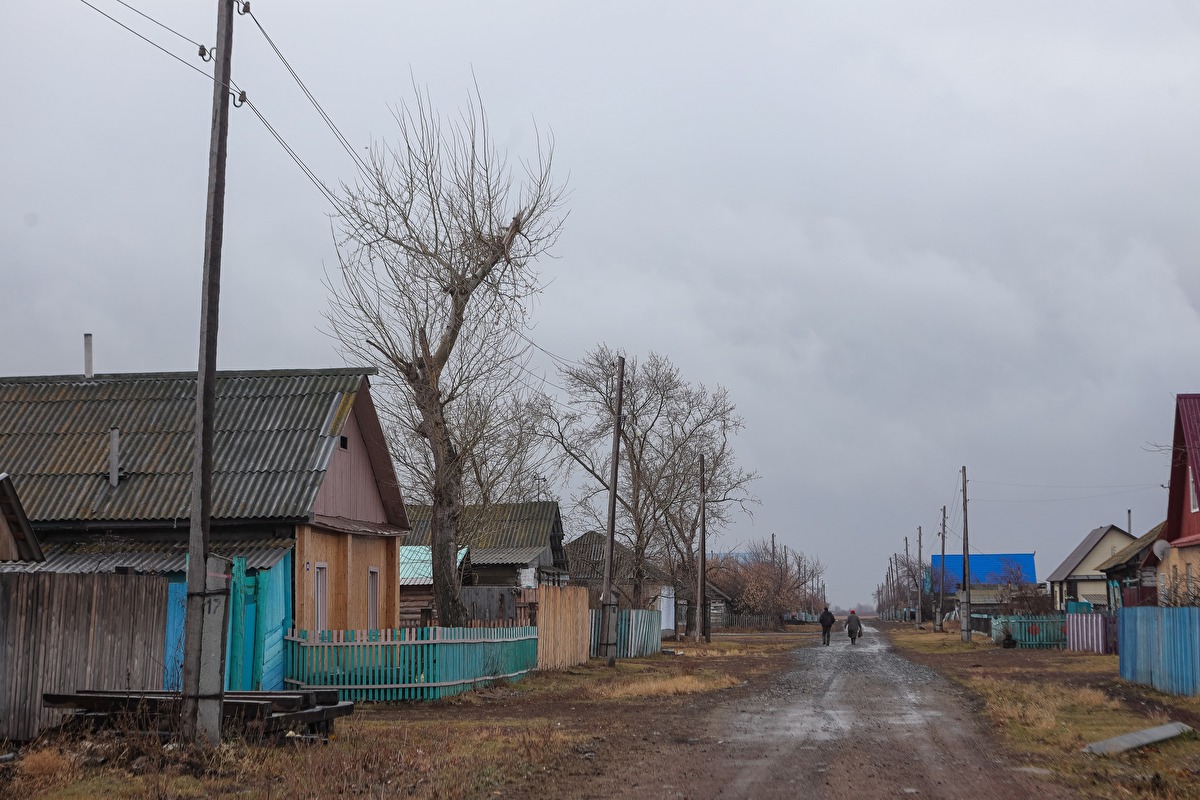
665	686
1048	704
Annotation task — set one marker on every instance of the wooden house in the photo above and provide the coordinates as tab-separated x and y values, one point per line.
416	582
1129	582
1078	577
1175	554
586	555
305	497
511	544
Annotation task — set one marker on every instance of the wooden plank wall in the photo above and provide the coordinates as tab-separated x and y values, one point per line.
563	631
500	603
65	632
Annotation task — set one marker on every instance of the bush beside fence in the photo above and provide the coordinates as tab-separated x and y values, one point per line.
1160	647
408	663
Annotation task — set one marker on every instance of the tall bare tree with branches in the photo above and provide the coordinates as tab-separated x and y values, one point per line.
668	423
436	245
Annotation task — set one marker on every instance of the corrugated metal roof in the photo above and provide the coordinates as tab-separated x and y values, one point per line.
22	540
482	556
109	553
585	556
416	564
1064	570
273	441
502	527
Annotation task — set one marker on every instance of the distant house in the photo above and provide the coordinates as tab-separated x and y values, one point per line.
416	582
1129	582
1079	577
511	544
1175	554
586	556
304	495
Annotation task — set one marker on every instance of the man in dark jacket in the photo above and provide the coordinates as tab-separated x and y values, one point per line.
827	619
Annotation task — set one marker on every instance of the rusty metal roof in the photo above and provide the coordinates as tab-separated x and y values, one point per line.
275	433
158	556
502	531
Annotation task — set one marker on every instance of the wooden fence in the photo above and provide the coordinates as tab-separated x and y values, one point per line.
755	622
639	633
500	603
1160	647
65	632
408	663
1048	631
563	627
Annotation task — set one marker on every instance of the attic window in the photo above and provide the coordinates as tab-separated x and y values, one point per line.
344	443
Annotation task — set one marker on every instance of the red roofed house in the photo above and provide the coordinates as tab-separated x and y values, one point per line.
1175	556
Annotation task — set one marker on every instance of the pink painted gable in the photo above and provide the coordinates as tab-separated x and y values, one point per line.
350	490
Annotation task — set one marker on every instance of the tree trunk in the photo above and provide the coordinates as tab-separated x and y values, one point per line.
446	515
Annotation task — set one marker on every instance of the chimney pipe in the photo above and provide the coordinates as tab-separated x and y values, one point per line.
1129	520
87	355
114	456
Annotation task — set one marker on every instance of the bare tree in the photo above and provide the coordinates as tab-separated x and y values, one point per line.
436	245
668	423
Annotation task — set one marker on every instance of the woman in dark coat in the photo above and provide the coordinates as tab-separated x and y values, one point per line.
853	627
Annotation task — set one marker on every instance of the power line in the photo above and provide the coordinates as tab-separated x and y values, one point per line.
308	173
1052	486
1060	499
148	41
161	25
362	165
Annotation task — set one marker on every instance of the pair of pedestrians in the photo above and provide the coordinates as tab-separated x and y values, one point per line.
853	625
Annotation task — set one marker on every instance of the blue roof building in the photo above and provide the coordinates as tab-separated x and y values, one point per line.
986	568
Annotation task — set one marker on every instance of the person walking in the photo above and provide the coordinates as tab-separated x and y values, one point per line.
853	626
827	619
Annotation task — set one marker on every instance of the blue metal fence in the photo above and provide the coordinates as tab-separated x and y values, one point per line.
1160	647
1047	631
639	633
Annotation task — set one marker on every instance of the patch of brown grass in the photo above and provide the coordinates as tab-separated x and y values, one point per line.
43	770
687	683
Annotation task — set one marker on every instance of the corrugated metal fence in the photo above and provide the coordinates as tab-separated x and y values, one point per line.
1092	633
1160	647
639	633
1048	631
408	663
64	632
563	627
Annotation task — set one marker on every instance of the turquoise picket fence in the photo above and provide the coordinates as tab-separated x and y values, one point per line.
1048	631
1160	647
639	633
408	663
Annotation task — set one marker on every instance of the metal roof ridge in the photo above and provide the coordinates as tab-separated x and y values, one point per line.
191	375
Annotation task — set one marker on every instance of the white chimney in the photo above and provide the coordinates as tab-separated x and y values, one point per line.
114	456
87	355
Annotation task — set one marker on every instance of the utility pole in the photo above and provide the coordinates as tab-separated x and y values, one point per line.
703	618
608	605
907	575
965	604
920	578
208	583
942	580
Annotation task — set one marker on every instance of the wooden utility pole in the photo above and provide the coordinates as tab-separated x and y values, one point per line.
608	605
920	578
964	604
208	583
942	579
907	576
702	611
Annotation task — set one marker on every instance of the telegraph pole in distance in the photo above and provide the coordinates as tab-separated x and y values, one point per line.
608	616
703	609
920	578
942	580
208	584
908	575
965	604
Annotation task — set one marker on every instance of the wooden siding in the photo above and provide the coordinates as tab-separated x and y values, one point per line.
350	490
8	543
350	559
64	632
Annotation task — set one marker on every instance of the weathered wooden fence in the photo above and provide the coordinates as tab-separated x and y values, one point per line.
563	627
756	622
1092	633
1048	631
408	663
1160	647
639	633
501	604
65	632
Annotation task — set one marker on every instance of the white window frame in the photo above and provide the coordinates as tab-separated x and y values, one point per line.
321	596
373	598
1192	491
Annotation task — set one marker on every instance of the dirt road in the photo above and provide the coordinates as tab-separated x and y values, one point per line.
844	722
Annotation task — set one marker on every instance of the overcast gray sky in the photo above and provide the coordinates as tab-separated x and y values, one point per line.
907	236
